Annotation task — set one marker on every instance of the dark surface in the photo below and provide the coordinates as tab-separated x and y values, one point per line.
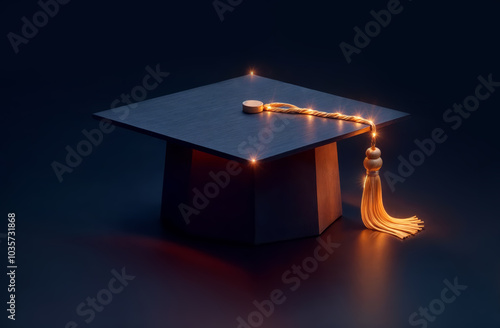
210	118
105	214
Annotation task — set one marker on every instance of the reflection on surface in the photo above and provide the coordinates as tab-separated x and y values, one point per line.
216	282
374	282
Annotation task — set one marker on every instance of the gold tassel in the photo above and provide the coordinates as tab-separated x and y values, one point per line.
373	212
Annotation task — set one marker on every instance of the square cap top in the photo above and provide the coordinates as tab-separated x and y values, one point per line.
210	119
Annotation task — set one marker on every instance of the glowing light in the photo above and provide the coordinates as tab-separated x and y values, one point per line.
374	134
251	73
253	160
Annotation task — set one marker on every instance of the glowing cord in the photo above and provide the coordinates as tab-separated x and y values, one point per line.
289	108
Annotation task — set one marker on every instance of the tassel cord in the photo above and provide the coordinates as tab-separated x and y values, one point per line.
289	108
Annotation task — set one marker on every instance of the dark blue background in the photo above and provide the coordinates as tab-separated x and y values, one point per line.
105	214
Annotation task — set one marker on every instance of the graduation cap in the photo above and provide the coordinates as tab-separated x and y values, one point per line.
268	172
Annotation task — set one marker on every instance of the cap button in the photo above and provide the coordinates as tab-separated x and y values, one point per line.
253	106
